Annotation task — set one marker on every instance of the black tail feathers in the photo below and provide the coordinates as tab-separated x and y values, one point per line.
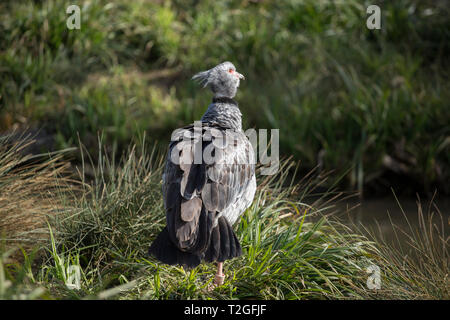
165	251
223	245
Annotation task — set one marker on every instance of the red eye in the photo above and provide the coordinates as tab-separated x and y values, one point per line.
230	70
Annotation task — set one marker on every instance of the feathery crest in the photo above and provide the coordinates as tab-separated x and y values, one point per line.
202	78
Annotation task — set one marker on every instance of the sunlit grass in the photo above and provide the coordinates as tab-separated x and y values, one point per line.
290	251
28	185
293	248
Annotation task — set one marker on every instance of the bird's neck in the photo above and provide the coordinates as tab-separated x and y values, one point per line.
224	112
225	100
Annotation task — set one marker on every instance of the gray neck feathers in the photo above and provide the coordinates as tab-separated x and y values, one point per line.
225	113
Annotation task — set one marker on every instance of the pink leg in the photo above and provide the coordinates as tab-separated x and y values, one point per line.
218	279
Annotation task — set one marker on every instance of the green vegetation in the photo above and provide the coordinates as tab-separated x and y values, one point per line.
370	105
374	101
292	250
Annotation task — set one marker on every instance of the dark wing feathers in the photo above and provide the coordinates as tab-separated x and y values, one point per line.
210	196
195	193
223	198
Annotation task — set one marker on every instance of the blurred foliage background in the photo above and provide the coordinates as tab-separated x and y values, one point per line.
372	103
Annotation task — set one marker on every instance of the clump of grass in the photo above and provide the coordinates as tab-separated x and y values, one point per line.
418	266
28	188
291	250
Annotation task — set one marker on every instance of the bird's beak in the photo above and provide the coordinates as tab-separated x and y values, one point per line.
240	76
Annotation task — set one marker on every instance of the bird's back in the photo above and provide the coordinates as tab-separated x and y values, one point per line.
208	182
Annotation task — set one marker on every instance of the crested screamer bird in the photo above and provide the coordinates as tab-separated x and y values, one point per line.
208	180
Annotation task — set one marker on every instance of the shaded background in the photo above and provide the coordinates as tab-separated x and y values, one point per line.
371	105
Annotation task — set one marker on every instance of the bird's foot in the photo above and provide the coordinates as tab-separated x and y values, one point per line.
218	281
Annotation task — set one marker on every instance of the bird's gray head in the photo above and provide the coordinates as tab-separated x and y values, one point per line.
223	79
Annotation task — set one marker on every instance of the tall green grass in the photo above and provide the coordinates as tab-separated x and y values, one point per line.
290	250
95	247
287	253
